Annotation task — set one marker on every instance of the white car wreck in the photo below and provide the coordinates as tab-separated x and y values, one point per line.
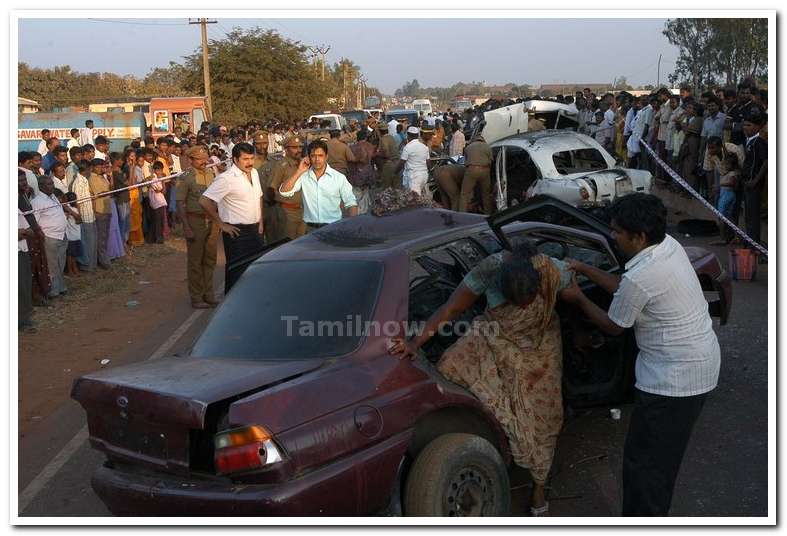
565	164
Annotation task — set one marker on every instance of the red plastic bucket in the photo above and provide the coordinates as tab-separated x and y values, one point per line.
743	264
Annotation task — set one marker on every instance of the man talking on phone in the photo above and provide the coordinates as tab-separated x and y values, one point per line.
322	188
234	201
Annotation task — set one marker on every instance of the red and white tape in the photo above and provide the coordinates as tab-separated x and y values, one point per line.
677	178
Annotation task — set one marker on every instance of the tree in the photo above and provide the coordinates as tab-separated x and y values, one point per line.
713	50
620	83
257	73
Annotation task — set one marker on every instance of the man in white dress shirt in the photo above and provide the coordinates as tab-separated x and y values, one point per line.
86	134
660	296
413	161
234	201
42	145
52	220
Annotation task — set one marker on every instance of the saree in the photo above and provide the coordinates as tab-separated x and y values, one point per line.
512	361
135	236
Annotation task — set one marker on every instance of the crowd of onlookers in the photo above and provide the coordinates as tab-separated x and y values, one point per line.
717	141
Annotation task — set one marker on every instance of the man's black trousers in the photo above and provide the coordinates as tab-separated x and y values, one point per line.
238	250
658	434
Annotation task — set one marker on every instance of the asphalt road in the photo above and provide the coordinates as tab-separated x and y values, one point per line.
725	471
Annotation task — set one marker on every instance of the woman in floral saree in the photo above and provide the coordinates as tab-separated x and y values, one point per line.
515	368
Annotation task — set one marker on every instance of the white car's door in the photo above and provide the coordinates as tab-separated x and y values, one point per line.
502	184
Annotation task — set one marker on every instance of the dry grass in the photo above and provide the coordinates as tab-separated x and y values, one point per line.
124	276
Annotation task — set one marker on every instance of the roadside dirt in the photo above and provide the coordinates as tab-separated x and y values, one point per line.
100	317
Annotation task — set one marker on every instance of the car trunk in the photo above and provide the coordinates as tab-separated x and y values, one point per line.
164	413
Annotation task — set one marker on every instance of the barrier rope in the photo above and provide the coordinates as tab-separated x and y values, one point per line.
112	192
680	180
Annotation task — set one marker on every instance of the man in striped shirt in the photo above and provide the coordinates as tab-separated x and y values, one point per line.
660	296
89	238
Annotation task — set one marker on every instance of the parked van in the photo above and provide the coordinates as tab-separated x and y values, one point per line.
119	128
422	105
184	112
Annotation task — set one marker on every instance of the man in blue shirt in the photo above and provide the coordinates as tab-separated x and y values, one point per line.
322	187
49	158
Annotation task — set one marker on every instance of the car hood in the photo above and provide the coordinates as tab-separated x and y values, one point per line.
179	390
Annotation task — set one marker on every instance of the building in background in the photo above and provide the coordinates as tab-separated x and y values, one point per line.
27	106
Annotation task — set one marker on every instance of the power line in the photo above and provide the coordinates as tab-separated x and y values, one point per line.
139	23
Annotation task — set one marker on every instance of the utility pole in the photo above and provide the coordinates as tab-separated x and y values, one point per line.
322	50
205	65
313	51
344	86
658	73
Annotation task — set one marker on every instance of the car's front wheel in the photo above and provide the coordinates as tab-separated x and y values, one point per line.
457	475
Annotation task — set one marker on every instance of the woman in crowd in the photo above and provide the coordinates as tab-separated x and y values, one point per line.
134	176
512	356
115	240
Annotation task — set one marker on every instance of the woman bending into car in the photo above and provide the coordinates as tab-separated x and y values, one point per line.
511	359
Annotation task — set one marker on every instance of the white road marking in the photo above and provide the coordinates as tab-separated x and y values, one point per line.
50	470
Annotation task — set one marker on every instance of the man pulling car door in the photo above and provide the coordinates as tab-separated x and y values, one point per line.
678	363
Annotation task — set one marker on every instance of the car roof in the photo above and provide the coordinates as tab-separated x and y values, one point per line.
369	237
544	137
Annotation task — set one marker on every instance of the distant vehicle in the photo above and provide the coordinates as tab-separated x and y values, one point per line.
400	115
459	105
184	112
355	115
337	121
422	105
119	128
374	112
372	101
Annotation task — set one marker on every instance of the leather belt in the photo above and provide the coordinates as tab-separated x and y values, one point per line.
293	206
316	225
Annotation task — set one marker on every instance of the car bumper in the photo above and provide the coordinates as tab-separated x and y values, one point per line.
359	484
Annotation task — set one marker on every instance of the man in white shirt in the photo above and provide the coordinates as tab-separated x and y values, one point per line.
102	148
234	201
86	134
26	165
660	296
413	161
42	145
392	127
322	187
52	221
73	141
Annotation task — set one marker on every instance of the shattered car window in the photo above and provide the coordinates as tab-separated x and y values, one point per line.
578	161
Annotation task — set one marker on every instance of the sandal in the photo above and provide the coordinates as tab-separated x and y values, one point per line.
541	511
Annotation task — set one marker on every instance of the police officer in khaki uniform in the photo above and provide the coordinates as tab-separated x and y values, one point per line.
478	161
388	153
283	170
274	218
339	154
201	233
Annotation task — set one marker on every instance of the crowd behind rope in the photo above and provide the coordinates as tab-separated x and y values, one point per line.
716	140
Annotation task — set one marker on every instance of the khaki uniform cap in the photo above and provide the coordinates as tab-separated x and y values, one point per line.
293	141
197	151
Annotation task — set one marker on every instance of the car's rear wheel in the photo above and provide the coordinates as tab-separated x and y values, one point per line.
457	475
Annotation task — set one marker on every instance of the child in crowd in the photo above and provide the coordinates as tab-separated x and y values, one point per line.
73	233
730	171
158	205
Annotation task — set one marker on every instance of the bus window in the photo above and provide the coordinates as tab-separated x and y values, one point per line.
161	121
182	120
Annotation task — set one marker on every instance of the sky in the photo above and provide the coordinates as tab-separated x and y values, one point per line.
390	52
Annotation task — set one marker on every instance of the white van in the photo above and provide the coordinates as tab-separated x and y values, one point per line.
337	121
422	105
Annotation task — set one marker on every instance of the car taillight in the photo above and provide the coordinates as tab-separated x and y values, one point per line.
244	449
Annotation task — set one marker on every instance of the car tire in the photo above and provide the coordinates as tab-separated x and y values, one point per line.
458	475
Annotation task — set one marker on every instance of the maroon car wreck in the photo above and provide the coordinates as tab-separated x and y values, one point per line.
268	416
